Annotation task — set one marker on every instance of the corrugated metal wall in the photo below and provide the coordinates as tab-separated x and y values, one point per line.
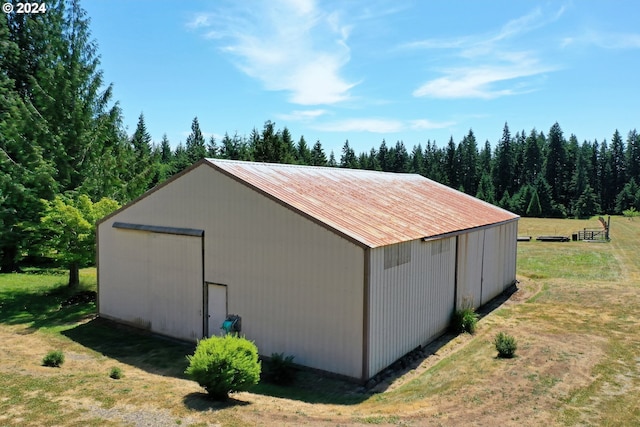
410	303
152	280
486	264
297	286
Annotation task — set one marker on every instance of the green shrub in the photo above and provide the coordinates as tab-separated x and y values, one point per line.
223	365
280	369
464	320
54	358
506	345
116	373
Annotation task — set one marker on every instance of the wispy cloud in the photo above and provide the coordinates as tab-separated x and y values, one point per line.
615	41
303	115
288	45
377	125
489	68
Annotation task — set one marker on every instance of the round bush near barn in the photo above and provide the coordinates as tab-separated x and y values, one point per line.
223	365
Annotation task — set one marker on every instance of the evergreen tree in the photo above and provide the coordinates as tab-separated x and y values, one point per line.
348	158
555	163
195	146
629	197
318	158
140	172
534	209
451	166
605	176
532	162
165	150
303	153
180	158
486	190
469	163
332	160
417	160
587	203
618	172
383	158
288	150
212	147
484	160
504	163
400	158
632	157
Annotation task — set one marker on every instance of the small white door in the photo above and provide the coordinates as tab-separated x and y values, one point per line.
217	308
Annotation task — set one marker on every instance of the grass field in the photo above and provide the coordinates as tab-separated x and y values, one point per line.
575	316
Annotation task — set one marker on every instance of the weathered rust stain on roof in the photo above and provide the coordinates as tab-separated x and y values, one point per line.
374	208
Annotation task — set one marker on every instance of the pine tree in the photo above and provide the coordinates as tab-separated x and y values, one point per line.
212	147
532	165
534	209
486	191
287	152
195	145
417	160
618	172
303	153
632	156
504	163
556	163
348	158
332	160
318	158
140	172
400	158
451	165
383	158
469	163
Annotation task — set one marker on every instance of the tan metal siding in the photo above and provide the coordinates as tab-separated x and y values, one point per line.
499	260
412	303
152	280
469	280
297	285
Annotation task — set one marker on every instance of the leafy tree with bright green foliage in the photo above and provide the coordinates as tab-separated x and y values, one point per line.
224	365
68	230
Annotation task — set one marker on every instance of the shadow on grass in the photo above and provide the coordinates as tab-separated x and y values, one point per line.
202	402
151	353
45	309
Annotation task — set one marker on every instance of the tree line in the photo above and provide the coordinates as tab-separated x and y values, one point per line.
531	174
66	159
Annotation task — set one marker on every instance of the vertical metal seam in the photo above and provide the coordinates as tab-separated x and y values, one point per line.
484	236
366	314
205	296
455	278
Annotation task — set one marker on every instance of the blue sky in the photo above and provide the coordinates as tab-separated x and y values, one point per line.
372	70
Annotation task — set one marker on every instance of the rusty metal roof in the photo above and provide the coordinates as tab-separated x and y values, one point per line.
373	208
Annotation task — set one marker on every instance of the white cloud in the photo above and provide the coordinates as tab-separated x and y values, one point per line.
486	82
288	45
376	125
303	115
616	41
200	20
423	124
489	68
